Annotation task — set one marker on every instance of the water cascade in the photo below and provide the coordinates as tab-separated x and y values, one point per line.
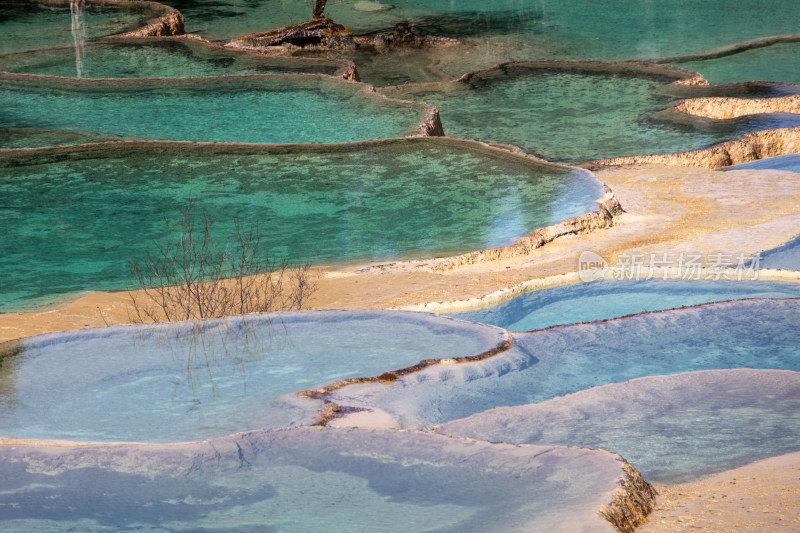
76	8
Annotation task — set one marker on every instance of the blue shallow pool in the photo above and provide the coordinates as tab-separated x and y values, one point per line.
194	380
673	428
548	363
790	162
306	479
598	300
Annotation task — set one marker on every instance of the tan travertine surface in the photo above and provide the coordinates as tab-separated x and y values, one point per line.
763	496
668	210
723	108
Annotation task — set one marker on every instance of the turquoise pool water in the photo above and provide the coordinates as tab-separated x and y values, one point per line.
571	117
517	30
147	58
599	300
545	364
73	219
195	380
614	29
28	25
673	428
778	62
306	479
280	109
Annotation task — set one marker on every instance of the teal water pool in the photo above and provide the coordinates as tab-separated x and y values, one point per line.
165	57
40	138
572	28
572	115
280	109
780	61
74	218
28	25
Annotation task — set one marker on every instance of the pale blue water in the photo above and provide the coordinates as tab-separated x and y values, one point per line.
146	58
673	428
783	257
599	300
571	116
279	109
548	363
194	380
305	479
73	220
790	162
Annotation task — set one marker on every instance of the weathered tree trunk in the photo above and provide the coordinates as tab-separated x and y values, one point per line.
319	8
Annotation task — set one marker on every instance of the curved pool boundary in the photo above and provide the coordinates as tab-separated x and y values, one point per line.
331	410
727	50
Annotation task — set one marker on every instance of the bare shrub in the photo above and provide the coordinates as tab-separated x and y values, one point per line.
189	276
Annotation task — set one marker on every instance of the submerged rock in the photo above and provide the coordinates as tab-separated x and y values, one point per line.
320	33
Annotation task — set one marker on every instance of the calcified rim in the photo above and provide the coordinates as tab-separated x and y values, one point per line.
729	50
428	123
747	147
343	68
331	410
